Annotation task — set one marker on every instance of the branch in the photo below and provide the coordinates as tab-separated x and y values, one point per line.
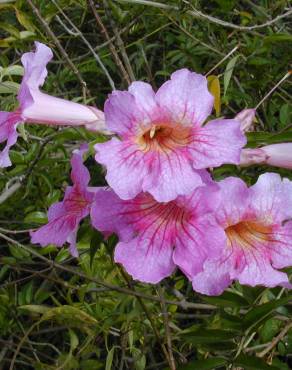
184	304
59	46
198	14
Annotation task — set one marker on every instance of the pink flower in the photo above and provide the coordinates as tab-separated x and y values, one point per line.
64	217
38	107
278	155
258	240
246	119
162	143
157	237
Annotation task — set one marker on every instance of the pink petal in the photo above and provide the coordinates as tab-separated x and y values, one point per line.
122	114
34	64
107	215
281	249
79	173
218	142
186	97
58	229
8	133
125	166
235	201
197	241
144	97
272	197
214	278
258	271
144	261
130	171
170	176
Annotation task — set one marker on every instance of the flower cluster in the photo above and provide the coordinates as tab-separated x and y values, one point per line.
161	201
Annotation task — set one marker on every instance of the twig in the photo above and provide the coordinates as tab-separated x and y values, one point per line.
275	341
184	304
120	42
110	43
11	190
223	59
80	34
198	14
274	88
59	46
167	329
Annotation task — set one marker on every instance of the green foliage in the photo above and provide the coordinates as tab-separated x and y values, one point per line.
85	314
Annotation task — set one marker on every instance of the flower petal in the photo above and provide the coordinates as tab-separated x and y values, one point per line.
130	171
235	200
281	251
79	173
218	142
186	97
214	278
197	241
259	271
272	197
144	97
122	114
125	166
8	133
35	73
107	215
145	262
57	230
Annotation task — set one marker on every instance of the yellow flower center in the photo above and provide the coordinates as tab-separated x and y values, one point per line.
164	138
248	234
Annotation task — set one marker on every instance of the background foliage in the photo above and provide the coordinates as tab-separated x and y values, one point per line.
57	312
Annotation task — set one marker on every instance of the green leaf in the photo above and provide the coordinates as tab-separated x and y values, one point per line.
252	363
9	87
207	364
259	313
95	241
228	72
202	336
109	359
227	299
36	217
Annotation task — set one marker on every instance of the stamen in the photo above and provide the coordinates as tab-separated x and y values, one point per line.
152	132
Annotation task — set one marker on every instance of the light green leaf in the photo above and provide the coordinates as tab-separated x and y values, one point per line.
228	72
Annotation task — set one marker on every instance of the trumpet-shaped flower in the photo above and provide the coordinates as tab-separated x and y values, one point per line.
278	155
258	238
64	217
162	142
156	237
38	107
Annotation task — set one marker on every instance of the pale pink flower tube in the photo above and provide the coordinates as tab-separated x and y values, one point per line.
38	107
278	155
